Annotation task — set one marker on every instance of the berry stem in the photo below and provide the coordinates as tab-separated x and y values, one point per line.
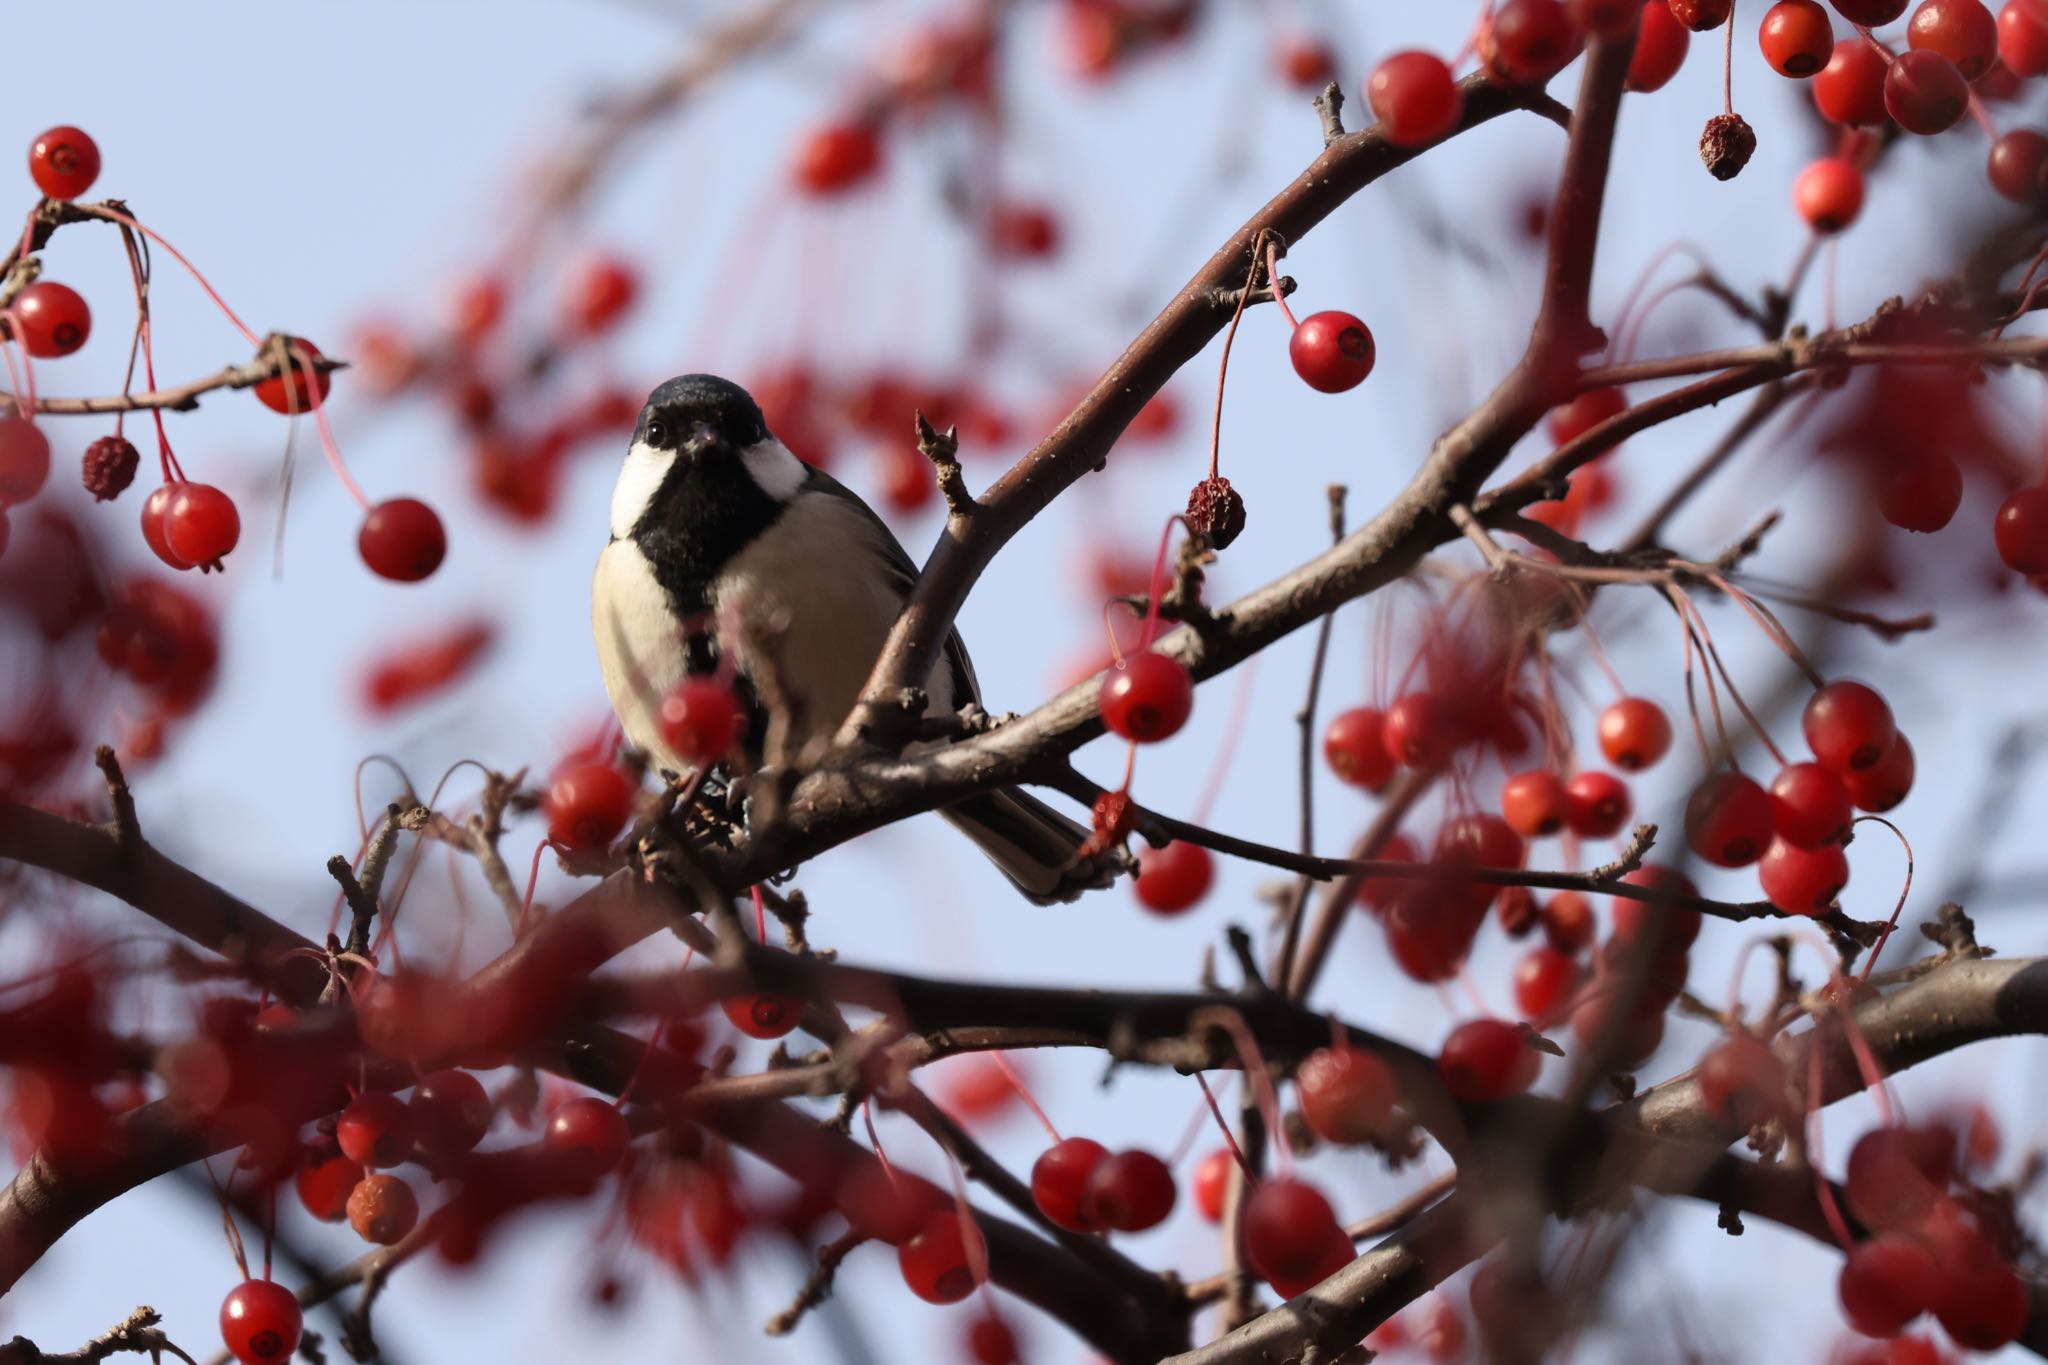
1229	1138
1223	365
191	269
1226	753
526	901
1273	281
1728	61
1255	1070
1155	588
299	357
1823	1192
1892	923
1197	1121
1024	1093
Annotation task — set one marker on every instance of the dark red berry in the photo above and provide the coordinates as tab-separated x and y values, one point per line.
1529	40
1634	733
1924	93
1026	231
1415	98
1728	820
1131	1191
1534	803
382	1209
1809	805
291	390
1963	31
1568	922
402	540
991	1342
2023	37
701	720
1885	1283
2018	165
763	1016
601	290
1486	1059
1922	493
835	157
1332	351
450	1112
64	162
200	525
1287	1227
1596	804
1420	732
1604	18
1355	746
1347	1094
1885	783
1212	1183
108	467
1743	1083
1829	194
936	1261
587	803
1869	13
1895	1177
1174	878
1661	43
590	1130
324	1184
1147	697
51	319
1701	15
1848	726
1544	981
260	1323
2021	527
24	459
1803	881
1797	37
375	1130
1059	1183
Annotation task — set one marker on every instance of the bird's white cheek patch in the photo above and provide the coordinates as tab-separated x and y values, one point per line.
639	479
774	469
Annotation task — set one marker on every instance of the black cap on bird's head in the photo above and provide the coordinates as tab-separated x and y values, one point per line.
694	406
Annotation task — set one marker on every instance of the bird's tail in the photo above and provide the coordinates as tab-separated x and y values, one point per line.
1034	845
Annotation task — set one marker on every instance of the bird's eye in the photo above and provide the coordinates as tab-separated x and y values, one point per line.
657	434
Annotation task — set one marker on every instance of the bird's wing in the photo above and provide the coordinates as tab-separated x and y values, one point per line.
902	577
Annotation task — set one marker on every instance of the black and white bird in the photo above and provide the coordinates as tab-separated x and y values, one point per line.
721	538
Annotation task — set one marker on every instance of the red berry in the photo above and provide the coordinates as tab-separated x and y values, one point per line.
763	1016
1884	784
200	525
1661	43
835	157
402	539
1147	697
1922	493
1568	922
24	459
1332	351
1174	878
1347	1094
1885	1283
375	1130
1742	1082
1419	731
1797	37
1356	747
1534	803
51	319
1059	1183
601	291
1961	30
2020	530
1803	881
1304	62
701	720
1829	194
383	1209
935	1261
888	1206
1569	421
991	1342
64	162
587	803
260	1322
1809	805
324	1184
591	1130
1677	926
1604	18
1701	15
291	391
1728	820
450	1112
2023	37
1479	840
1426	936
1287	1226
1415	98
1869	13
1596	804
475	307
1924	93
1212	1183
1131	1191
1848	726
1530	40
1544	981
1634	733
1024	230
2018	166
1983	1308
107	468
1486	1059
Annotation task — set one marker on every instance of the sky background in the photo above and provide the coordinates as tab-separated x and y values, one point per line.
325	163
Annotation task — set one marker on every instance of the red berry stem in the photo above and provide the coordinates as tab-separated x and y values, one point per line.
1273	279
1620	327
300	359
1223	371
227	1218
1023	1093
1767	620
532	878
145	334
1892	923
1197	1121
1155	587
1734	693
1728	62
1229	1138
1823	1190
1268	1097
1226	752
115	216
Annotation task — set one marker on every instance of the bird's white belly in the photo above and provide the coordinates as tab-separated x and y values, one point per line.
639	646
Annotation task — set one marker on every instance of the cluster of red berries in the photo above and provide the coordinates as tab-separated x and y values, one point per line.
1795	830
1098	37
1078	1184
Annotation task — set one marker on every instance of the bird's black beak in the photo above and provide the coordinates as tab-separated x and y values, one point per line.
703	439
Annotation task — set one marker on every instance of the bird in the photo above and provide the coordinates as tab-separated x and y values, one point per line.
723	540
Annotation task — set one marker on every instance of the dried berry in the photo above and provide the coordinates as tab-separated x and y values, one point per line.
110	464
1215	511
1727	145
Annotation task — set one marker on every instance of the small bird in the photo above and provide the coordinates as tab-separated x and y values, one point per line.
722	539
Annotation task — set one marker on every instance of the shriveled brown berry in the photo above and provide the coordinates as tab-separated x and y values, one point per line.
109	467
1727	145
1216	511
